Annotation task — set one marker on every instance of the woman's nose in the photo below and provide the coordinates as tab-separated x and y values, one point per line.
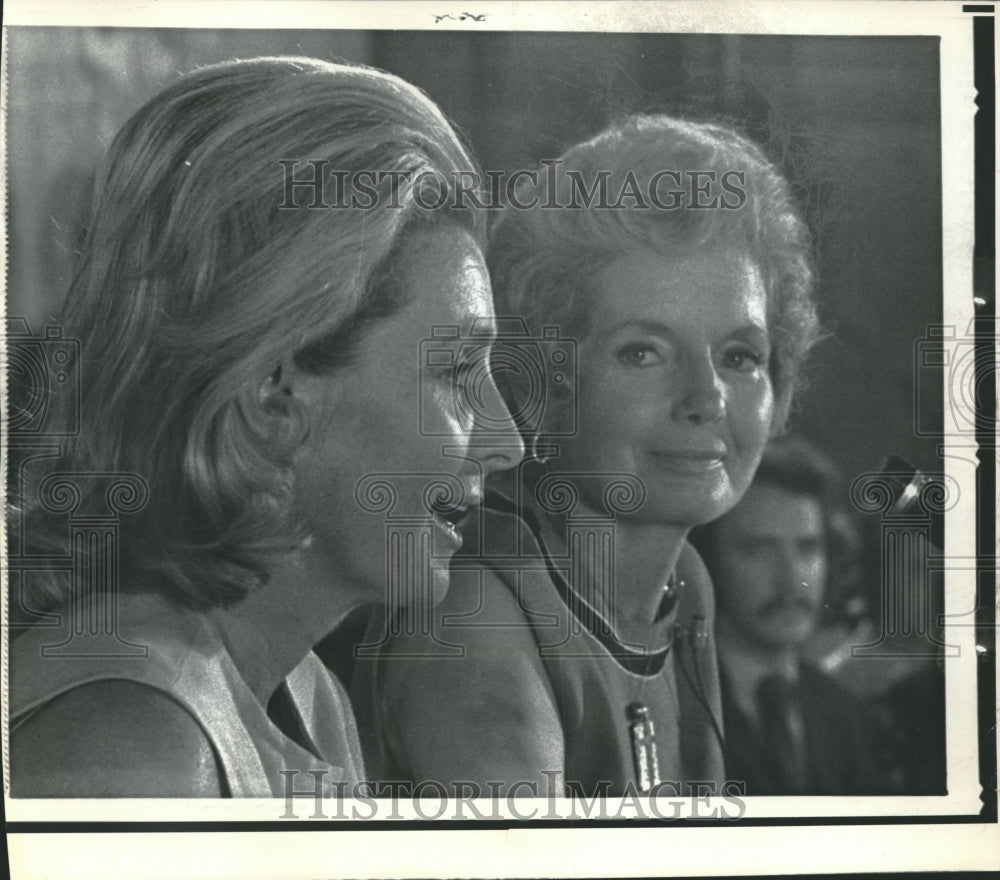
496	441
703	400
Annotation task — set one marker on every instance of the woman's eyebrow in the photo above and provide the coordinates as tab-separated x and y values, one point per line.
482	329
751	329
645	326
754	331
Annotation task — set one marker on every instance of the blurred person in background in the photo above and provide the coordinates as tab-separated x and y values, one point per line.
776	559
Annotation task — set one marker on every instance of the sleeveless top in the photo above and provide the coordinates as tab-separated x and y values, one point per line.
629	719
185	658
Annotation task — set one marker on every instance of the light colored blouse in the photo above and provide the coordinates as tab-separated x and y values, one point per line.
186	659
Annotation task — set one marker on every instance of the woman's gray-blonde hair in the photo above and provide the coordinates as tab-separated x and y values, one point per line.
543	257
197	274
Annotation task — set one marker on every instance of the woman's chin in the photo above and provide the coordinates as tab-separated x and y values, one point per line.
440	583
685	512
415	598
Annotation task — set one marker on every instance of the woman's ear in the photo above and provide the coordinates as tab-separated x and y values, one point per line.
274	410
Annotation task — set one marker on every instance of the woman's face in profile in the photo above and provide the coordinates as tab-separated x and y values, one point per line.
674	382
393	422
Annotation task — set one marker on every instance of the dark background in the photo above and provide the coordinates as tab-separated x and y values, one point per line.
854	121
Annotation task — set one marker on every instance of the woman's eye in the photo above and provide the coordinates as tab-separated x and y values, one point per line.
462	374
638	354
744	359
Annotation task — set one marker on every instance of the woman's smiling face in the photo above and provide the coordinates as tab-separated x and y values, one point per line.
674	382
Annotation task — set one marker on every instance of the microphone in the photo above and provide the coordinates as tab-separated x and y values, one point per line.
907	483
695	634
695	637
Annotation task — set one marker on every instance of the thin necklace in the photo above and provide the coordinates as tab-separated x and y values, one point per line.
634	658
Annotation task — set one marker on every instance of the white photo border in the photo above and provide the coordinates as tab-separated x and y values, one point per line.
786	835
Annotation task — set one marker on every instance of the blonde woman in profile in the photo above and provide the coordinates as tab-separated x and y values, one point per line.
248	362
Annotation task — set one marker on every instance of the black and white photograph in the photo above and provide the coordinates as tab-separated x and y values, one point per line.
491	439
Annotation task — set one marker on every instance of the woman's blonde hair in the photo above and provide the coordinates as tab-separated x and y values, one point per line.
204	266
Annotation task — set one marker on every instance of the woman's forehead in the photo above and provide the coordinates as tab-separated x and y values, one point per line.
446	276
649	282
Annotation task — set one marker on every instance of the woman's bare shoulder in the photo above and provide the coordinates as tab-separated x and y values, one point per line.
112	738
481	617
479	705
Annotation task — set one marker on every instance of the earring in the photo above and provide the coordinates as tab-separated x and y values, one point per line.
537	451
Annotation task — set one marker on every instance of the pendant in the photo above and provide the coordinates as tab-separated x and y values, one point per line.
643	733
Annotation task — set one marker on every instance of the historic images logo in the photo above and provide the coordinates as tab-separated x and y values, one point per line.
314	185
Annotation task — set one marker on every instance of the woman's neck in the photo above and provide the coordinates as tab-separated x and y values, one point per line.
622	570
271	630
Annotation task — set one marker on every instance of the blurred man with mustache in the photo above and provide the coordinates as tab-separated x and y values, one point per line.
790	728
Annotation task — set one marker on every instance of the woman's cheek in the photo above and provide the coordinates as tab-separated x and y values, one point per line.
459	420
756	411
444	413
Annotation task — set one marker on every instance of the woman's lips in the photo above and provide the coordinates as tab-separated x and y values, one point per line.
449	530
448	516
690	461
448	522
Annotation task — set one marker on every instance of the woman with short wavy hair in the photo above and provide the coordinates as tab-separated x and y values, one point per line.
673	258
